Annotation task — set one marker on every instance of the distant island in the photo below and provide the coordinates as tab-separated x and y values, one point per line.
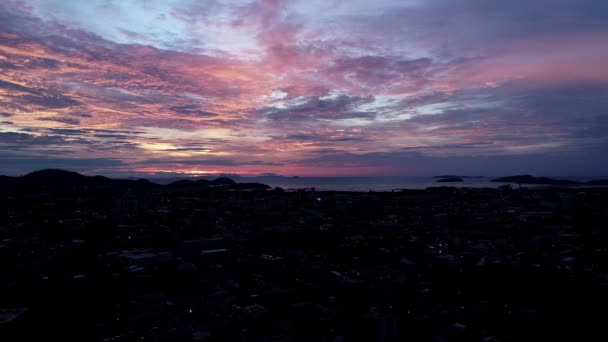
527	179
456	176
56	178
450	180
224	182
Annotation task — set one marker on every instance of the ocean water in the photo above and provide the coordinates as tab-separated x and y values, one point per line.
379	183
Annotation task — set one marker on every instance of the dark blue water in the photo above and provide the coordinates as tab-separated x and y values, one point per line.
378	183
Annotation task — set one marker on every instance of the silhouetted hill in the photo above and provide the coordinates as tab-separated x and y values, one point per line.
250	186
66	180
185	184
602	182
5	180
182	183
55	176
143	182
222	181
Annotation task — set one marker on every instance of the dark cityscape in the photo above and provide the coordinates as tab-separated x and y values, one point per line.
90	258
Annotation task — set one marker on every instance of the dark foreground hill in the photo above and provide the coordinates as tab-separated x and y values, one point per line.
55	178
58	179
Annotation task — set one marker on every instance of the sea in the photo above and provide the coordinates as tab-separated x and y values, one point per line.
380	183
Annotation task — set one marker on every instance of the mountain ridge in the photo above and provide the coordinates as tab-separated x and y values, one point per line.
56	178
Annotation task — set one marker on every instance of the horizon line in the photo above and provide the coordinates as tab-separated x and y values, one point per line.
129	174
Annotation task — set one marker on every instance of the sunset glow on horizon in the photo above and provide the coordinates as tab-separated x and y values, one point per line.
309	88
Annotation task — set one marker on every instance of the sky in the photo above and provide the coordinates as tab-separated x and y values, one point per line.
304	87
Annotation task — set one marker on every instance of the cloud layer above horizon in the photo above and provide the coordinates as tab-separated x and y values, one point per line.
397	87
